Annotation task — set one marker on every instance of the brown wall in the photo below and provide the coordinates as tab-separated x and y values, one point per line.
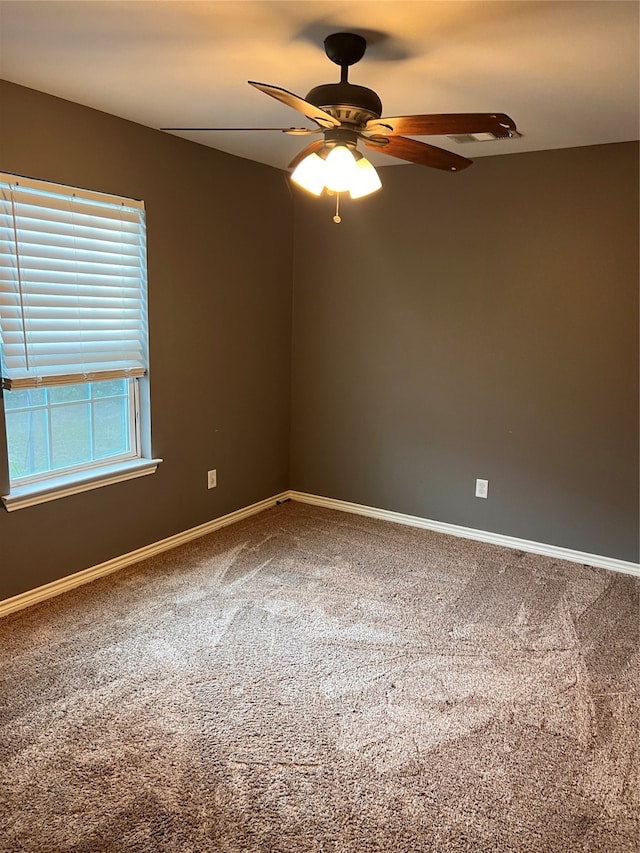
456	326
483	324
219	232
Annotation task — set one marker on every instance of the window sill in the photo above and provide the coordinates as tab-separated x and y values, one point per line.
71	484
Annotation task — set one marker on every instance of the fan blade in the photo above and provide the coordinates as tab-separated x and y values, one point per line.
293	131
418	152
310	149
299	104
443	124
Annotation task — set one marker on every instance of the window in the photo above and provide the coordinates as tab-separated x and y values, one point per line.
69	427
73	337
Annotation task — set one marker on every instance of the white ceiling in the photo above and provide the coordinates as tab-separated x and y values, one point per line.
566	72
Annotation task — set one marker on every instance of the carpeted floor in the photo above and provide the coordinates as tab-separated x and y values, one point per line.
308	680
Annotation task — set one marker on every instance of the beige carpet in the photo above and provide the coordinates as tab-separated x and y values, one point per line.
312	681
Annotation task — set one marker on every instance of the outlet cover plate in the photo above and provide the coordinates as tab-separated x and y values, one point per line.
482	488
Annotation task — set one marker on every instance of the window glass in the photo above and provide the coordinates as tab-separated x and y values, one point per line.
69	393
116	387
58	429
24	399
27	440
70	435
111	427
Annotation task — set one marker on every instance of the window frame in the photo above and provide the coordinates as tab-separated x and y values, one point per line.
48	485
132	396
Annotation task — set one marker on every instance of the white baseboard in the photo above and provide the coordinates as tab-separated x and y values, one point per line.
471	533
49	590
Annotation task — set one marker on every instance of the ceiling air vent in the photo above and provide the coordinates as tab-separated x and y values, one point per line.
484	137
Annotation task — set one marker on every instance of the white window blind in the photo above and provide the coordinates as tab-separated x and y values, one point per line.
73	285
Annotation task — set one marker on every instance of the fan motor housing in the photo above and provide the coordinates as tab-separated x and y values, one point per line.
349	103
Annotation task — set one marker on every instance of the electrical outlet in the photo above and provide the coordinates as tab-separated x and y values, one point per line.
212	479
482	488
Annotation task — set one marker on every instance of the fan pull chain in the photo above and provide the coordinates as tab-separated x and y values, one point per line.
337	218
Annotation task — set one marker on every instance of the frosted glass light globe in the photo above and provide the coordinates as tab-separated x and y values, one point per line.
310	174
340	169
366	179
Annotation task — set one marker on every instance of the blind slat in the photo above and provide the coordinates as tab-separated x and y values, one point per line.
37	221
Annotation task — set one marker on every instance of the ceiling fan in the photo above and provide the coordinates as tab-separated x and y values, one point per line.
346	114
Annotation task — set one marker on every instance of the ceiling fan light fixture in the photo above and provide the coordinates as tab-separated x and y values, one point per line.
340	169
346	113
310	174
366	179
337	169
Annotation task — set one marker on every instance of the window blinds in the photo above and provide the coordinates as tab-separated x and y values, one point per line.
73	301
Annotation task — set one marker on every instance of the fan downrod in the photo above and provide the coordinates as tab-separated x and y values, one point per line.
353	105
345	48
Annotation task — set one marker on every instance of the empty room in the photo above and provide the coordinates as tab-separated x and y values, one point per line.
319	426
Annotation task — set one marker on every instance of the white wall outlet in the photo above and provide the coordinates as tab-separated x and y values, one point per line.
212	479
482	488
